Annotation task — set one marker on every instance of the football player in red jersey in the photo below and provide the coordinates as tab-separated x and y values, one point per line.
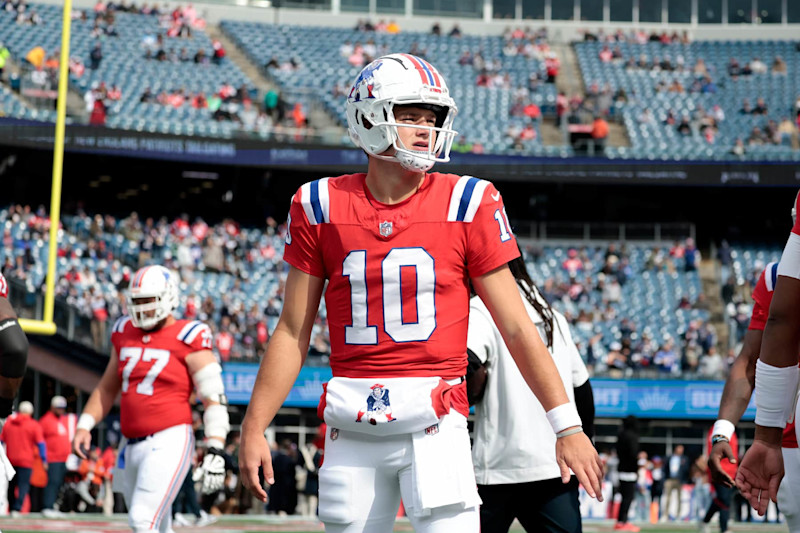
397	247
156	363
776	381
13	362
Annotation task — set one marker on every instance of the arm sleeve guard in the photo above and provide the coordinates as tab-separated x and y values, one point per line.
13	349
208	381
584	401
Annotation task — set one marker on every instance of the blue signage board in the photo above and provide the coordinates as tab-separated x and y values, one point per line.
673	399
239	379
613	398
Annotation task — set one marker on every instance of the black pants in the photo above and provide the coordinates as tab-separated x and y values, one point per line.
627	489
722	503
547	506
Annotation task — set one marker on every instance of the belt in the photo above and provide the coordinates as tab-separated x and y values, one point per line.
135	440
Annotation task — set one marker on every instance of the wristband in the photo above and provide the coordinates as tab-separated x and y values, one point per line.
86	421
776	389
723	427
563	416
568	432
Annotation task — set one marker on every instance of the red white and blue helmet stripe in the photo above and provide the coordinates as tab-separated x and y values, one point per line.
427	73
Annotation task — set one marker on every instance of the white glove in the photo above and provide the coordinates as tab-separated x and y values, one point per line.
212	471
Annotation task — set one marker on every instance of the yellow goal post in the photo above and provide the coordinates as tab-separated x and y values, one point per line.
46	326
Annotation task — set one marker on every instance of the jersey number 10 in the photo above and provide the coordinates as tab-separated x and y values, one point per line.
355	268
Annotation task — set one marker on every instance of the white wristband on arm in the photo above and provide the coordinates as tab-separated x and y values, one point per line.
87	422
563	416
723	427
776	389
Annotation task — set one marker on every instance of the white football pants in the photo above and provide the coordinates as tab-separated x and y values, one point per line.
152	474
363	478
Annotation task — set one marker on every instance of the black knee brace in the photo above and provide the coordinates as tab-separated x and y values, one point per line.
13	349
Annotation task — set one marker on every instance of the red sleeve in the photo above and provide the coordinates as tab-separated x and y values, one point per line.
762	298
490	239
302	249
3	287
795	211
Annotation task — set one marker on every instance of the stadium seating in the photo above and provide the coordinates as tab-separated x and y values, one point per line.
656	140
123	64
483	112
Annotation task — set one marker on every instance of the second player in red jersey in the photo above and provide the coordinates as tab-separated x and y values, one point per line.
156	363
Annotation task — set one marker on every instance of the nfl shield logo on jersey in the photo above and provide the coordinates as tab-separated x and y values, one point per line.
386	228
334	433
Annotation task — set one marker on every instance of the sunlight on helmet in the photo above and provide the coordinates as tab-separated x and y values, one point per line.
400	79
159	286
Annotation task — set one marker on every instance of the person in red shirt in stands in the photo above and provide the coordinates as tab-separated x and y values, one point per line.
22	435
55	429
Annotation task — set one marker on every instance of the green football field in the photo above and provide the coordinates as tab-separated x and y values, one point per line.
88	523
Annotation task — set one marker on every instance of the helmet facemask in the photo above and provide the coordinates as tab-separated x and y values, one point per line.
371	119
159	284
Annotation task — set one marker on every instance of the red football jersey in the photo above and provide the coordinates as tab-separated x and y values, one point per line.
762	297
156	384
397	295
3	287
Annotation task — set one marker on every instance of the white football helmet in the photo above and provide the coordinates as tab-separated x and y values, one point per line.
400	79
155	282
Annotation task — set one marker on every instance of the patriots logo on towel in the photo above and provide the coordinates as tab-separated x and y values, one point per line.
378	408
432	430
386	228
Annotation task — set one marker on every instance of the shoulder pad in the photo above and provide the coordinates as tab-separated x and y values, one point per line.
465	199
191	330
316	201
771	276
119	325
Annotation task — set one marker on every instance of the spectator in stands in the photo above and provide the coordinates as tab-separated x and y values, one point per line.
684	128
4	55
22	436
738	148
666	359
779	66
756	137
455	31
219	52
552	65
599	134
787	132
761	107
757	66
691	256
56	429
436	29
712	365
95	56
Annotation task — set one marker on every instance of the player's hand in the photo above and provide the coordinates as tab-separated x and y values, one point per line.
82	443
211	471
576	452
721	450
760	474
253	454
